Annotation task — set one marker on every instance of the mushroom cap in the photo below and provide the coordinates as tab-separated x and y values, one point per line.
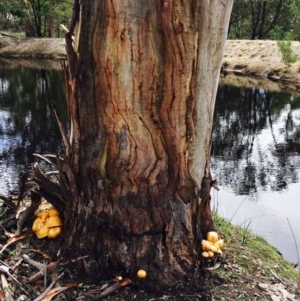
206	245
36	223
212	236
53	221
54	232
52	211
43	215
214	249
141	273
205	254
219	243
43	232
211	254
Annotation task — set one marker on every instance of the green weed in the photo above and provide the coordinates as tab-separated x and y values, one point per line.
285	48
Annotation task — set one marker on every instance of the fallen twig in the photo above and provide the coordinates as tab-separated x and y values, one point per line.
35	202
4	268
43	268
5	286
109	290
14	239
41	297
274	274
53	292
46	256
36	264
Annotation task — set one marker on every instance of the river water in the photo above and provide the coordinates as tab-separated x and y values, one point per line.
255	158
27	122
255	150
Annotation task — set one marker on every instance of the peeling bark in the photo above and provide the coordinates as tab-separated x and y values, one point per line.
141	91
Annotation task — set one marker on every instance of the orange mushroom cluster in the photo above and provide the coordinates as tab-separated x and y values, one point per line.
212	245
48	223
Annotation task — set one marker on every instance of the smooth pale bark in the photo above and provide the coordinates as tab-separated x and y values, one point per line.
141	91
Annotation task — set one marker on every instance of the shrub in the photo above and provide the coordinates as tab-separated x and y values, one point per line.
285	48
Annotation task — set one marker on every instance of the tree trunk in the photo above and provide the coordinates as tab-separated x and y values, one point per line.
50	26
141	87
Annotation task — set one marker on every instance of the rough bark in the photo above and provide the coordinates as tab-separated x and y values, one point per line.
141	89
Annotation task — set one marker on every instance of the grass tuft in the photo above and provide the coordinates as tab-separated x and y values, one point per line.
285	48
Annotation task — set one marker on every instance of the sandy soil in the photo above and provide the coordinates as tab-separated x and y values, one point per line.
263	58
32	47
33	63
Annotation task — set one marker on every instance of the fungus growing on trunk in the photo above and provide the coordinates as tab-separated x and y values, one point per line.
48	223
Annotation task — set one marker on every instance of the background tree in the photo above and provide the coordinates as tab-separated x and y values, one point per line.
38	18
141	85
239	24
10	12
258	19
46	15
253	19
263	17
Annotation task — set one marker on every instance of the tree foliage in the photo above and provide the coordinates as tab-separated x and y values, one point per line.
37	18
250	19
258	19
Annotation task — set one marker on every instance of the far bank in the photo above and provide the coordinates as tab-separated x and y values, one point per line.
243	57
261	58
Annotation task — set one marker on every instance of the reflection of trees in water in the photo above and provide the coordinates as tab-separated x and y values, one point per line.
29	125
256	139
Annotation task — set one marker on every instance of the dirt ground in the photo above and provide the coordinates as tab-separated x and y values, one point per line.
241	273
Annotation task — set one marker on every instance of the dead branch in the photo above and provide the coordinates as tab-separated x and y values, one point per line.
41	297
63	132
64	27
71	54
37	181
68	180
75	16
45	159
53	156
36	264
204	216
8	201
44	269
35	202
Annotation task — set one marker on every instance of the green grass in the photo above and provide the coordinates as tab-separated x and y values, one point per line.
285	48
249	251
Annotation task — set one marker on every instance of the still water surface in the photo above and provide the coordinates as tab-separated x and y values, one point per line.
255	152
27	122
255	155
